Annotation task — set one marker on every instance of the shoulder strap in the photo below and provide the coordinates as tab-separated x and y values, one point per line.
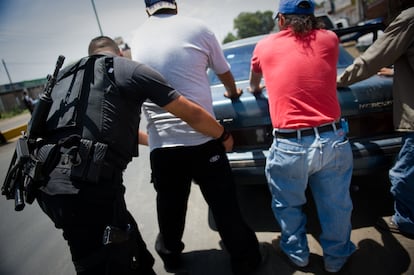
109	65
70	97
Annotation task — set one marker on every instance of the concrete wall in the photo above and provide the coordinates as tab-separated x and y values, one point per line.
14	99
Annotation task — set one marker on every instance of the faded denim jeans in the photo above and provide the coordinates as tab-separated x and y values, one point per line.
324	161
402	181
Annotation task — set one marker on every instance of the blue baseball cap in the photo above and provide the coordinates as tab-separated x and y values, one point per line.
296	7
155	5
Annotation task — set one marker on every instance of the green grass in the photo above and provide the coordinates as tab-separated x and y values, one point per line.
12	113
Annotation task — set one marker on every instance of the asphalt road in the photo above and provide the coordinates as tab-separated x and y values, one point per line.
31	245
6	124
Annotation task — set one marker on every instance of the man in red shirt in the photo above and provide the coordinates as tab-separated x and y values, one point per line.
298	65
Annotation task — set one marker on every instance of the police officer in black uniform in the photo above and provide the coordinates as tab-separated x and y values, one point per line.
102	235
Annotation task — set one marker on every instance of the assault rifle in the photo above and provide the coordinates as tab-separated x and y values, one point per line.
25	170
37	125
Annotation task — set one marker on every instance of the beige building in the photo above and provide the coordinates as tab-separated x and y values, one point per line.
355	11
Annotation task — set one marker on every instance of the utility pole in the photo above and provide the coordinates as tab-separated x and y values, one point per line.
96	15
7	72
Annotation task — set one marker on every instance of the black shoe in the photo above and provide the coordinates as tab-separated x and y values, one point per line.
389	226
256	265
148	272
172	261
261	267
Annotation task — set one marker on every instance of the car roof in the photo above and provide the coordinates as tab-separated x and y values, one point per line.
244	41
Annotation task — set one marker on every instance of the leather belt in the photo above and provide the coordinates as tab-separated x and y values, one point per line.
306	132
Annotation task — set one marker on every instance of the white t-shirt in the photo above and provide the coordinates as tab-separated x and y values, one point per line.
181	49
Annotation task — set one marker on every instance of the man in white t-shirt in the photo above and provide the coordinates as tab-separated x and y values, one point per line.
182	49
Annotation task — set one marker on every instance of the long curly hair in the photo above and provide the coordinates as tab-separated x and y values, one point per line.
301	24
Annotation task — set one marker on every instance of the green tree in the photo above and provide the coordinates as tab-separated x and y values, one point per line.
230	37
250	24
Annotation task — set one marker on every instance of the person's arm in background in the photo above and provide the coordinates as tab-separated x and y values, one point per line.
383	52
219	64
255	79
142	138
227	79
386	71
200	120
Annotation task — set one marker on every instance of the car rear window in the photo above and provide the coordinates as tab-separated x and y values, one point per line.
239	60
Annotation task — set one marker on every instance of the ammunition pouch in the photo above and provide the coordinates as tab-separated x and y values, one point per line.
74	158
37	170
79	163
36	164
89	165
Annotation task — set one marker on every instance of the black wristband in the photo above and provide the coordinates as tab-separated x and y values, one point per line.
224	136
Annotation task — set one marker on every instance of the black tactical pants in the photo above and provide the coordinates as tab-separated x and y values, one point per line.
83	219
173	170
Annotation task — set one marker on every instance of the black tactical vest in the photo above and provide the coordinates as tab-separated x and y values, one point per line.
88	103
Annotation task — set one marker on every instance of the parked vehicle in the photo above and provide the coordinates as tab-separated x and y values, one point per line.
366	105
332	24
370	28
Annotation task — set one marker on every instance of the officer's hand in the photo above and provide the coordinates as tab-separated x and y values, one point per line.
228	143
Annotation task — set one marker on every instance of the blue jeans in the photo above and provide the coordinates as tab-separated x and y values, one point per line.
402	185
325	163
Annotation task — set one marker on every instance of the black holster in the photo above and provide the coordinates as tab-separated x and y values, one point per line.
91	162
41	163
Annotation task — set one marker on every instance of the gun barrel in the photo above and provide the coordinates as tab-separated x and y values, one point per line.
18	199
59	64
52	79
38	121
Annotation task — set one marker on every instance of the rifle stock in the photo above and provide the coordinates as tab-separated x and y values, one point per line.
10	176
14	182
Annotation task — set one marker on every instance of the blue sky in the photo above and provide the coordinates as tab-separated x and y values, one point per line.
33	33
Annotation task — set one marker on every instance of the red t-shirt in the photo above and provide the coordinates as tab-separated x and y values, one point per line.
300	77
